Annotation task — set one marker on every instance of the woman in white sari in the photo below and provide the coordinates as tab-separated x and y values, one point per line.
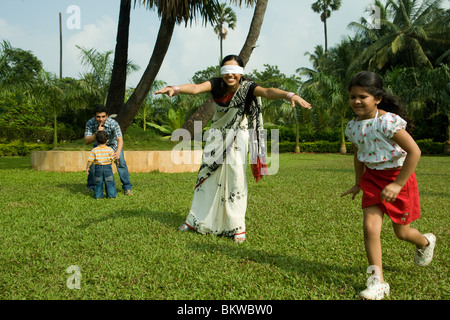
220	197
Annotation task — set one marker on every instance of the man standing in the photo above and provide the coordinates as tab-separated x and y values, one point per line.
101	122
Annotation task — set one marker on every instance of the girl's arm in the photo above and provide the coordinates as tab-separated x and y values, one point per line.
276	94
407	143
359	170
189	88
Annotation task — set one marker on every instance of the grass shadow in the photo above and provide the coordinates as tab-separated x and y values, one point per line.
331	273
75	188
8	163
171	219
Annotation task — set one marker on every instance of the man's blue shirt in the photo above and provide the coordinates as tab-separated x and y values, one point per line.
111	127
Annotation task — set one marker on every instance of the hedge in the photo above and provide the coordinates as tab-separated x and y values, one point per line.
427	146
19	148
317	147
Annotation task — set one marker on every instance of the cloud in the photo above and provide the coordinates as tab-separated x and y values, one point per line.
100	35
8	31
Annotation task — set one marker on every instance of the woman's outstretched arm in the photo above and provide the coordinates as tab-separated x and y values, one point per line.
276	94
189	88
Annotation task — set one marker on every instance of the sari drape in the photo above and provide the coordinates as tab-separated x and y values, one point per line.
220	197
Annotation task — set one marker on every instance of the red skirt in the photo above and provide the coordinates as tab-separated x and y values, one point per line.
405	209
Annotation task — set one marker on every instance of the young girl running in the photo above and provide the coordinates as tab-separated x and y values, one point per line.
385	158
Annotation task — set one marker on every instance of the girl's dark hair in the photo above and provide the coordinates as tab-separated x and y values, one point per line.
373	84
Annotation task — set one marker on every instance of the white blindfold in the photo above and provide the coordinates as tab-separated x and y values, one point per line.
231	69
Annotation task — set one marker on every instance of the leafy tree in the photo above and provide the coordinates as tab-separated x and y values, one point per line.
98	78
50	91
409	28
173	121
18	68
171	12
204	75
146	110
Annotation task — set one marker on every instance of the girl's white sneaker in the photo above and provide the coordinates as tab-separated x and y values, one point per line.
424	256
376	290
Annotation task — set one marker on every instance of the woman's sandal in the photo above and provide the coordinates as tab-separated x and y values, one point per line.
239	238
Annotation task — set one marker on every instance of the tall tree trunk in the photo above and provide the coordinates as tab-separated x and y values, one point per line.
255	29
297	136
343	147
447	143
117	87
127	114
325	32
206	111
55	131
221	48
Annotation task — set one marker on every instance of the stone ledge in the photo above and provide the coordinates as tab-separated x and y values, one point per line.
137	161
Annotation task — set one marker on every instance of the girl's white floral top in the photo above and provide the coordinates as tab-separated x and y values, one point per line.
373	137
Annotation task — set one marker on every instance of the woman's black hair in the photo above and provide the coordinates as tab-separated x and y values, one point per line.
373	84
238	59
220	91
233	57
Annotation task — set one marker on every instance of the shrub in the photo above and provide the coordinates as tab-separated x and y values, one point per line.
317	147
19	148
428	146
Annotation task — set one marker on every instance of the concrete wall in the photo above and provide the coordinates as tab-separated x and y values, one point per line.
137	161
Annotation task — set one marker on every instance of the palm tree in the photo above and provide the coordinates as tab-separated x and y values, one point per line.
206	111
149	102
432	96
100	67
324	7
328	87
117	86
405	37
58	94
174	120
171	12
292	114
224	16
312	88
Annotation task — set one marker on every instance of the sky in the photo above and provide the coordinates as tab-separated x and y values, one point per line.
290	29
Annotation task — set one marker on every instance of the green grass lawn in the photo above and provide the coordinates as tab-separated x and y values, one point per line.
303	240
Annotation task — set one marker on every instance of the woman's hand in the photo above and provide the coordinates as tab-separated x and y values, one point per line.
296	99
170	91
